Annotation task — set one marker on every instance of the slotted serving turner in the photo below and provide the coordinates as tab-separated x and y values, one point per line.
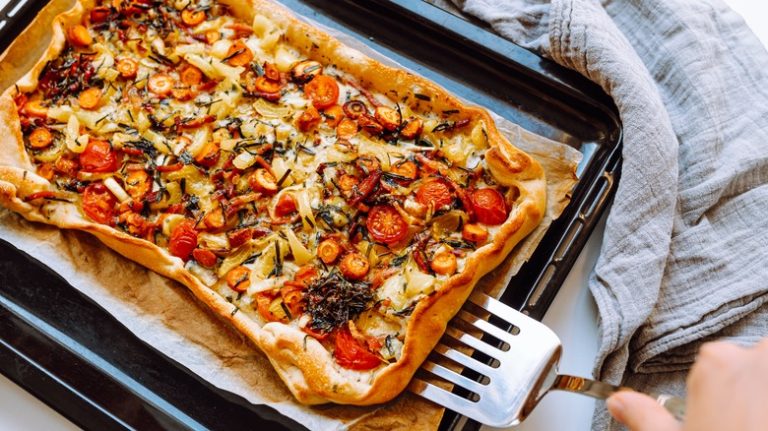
523	353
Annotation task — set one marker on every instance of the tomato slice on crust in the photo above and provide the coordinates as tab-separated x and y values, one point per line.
386	225
99	203
489	206
98	156
183	240
323	91
434	191
350	354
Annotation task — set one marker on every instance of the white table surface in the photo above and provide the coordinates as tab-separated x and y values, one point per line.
572	316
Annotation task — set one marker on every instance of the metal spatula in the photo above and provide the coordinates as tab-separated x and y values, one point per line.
502	369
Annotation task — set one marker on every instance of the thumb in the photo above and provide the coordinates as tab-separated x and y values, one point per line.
639	412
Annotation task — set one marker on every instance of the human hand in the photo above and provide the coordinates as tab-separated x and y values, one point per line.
727	390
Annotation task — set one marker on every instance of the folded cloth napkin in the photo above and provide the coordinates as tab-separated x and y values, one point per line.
685	252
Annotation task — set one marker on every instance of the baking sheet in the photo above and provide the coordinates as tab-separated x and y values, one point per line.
166	316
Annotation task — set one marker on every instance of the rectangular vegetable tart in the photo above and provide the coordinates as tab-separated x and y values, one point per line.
335	210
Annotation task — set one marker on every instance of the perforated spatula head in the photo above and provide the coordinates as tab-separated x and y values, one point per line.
512	365
523	352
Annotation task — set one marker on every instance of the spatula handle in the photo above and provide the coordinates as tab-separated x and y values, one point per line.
601	390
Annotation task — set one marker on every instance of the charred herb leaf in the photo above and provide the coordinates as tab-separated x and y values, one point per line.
333	300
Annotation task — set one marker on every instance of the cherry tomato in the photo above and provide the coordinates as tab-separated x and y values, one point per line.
285	205
489	206
323	91
99	203
98	156
319	335
436	192
350	354
183	240
386	225
239	237
204	257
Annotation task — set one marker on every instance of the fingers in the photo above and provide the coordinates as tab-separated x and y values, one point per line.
715	363
640	412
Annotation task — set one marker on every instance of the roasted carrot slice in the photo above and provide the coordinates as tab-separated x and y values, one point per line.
346	128
355	108
35	108
40	138
45	170
209	155
406	169
212	36
474	233
271	72
263	181
354	266
303	71
308	119
411	128
190	75
389	118
137	184
127	67
328	251
161	84
238	279
443	263
368	123
239	54
265	85
333	115
192	17
346	182
89	99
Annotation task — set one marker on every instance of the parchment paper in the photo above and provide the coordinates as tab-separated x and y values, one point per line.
165	315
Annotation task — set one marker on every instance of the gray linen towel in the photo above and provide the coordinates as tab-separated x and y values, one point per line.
685	253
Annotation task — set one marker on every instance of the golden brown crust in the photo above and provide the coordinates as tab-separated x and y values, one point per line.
302	362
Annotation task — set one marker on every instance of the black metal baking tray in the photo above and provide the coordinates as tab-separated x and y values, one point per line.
70	353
